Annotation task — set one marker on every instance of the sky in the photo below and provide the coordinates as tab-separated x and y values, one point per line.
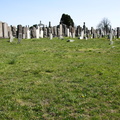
30	12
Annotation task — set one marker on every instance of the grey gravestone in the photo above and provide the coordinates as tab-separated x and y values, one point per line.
33	32
19	30
19	37
1	30
5	30
111	36
13	31
11	38
70	40
60	29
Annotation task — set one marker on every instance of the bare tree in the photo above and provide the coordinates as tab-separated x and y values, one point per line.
105	25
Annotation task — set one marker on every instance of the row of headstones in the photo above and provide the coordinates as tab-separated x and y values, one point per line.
56	31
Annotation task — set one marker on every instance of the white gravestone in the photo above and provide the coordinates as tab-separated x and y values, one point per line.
51	37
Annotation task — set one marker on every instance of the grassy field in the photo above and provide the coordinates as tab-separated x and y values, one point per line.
42	79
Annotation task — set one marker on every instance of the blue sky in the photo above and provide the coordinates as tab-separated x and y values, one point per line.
30	12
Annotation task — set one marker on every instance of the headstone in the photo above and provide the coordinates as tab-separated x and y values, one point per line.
5	30
37	32
28	33
33	32
41	33
70	40
51	36
1	30
13	31
84	28
68	32
19	30
45	32
60	29
11	38
24	32
82	35
118	32
70	35
19	37
111	36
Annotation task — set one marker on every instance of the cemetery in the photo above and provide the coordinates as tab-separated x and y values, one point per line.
59	72
61	30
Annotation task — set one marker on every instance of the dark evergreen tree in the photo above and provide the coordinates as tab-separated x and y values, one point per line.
67	20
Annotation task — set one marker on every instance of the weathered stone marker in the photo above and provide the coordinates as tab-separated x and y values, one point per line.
19	37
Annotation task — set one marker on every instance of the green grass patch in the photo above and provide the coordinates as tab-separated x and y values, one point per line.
58	80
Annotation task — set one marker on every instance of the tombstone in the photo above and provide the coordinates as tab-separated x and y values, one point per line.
70	35
51	36
33	32
13	31
37	32
45	32
68	32
9	31
24	31
19	30
73	32
55	31
28	33
19	37
58	32
41	33
84	28
1	30
11	38
118	32
82	35
60	29
5	30
111	36
70	40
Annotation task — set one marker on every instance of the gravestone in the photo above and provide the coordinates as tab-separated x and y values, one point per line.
19	30
68	32
82	35
41	33
51	36
1	30
111	36
28	33
24	32
5	30
60	29
84	28
11	38
70	40
37	32
33	32
19	37
118	32
45	32
13	31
